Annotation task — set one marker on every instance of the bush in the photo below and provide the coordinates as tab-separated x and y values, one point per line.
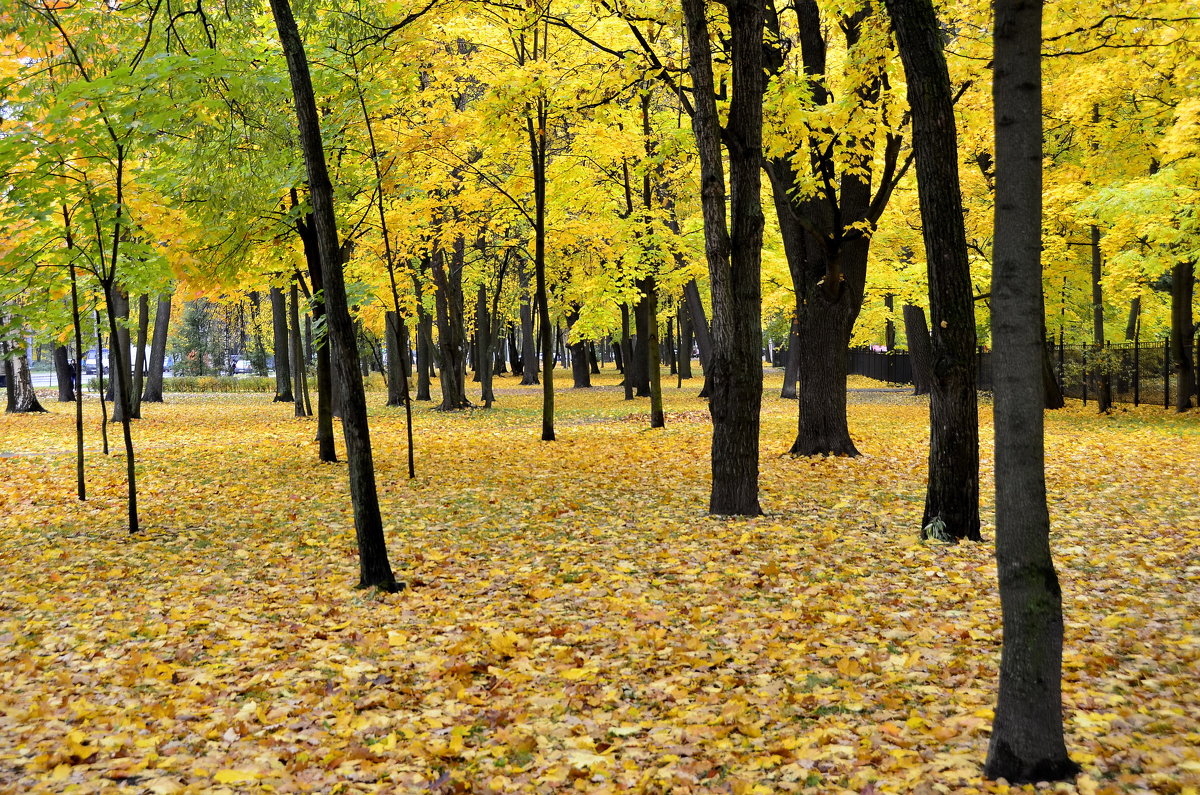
218	383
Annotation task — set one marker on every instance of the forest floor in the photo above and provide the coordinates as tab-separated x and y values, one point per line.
574	621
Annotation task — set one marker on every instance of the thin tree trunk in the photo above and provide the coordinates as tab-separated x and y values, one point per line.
791	370
121	380
282	345
153	393
299	387
77	325
397	350
626	349
1183	278
63	374
919	348
1027	731
1135	316
952	494
374	567
139	358
450	326
686	338
1103	377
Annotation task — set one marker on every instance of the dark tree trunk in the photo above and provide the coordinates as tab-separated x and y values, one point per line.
791	370
139	358
626	352
1051	391
1103	378
1027	731
581	372
667	346
653	359
514	350
64	374
314	256
1135	316
1183	278
424	355
374	568
397	357
283	368
77	327
451	335
299	388
486	331
952	495
686	340
593	359
153	393
733	250
121	380
889	329
529	355
919	348
640	363
825	327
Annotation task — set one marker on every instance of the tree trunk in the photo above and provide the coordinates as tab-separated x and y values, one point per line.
314	257
653	360
791	370
1103	378
1135	316
825	327
450	326
22	398
374	568
640	363
626	350
920	350
153	393
299	388
1051	391
139	357
64	374
1183	278
121	380
424	355
1027	731
529	357
282	340
734	250
514	351
952	495
686	339
397	350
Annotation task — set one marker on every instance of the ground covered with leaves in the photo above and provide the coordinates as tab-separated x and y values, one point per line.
574	620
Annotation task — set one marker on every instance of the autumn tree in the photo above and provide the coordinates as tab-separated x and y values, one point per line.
1027	733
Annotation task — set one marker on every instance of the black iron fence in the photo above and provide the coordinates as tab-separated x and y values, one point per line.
1138	372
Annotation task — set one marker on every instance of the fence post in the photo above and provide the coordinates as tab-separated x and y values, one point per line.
1167	373
1137	371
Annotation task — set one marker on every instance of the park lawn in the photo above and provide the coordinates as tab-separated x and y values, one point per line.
574	620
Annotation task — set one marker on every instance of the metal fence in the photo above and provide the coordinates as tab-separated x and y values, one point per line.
1138	372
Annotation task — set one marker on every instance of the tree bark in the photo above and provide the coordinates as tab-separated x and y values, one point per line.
1183	278
153	393
121	380
397	350
299	389
314	257
22	397
282	344
791	370
64	374
1103	378
139	357
451	341
952	494
374	568
626	353
733	250
919	348
1027	732
529	357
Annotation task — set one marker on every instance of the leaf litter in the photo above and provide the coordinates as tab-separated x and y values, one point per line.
574	621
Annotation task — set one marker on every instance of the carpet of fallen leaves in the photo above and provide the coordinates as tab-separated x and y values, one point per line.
574	621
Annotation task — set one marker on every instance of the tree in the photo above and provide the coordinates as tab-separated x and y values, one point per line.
374	568
733	247
952	495
1027	732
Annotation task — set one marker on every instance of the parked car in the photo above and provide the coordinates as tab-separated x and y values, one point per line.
242	367
89	362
